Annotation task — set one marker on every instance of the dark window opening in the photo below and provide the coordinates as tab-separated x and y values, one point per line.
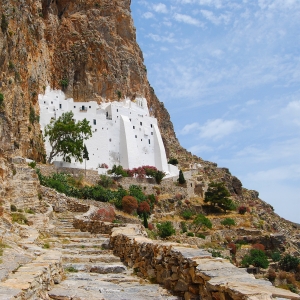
151	125
133	127
59	105
149	142
94	121
141	123
136	136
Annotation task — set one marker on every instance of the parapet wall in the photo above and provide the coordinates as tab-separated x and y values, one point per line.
190	272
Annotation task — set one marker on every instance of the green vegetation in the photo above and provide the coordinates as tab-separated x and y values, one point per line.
119	94
173	161
187	214
276	256
181	179
2	246
1	99
32	116
118	170
190	234
19	218
4	23
105	181
228	222
165	229
66	137
13	208
64	83
71	269
289	263
46	246
32	164
201	221
256	258
218	195
183	227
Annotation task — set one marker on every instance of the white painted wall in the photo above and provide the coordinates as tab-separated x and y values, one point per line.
123	132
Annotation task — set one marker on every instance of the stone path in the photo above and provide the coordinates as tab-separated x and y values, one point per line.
93	272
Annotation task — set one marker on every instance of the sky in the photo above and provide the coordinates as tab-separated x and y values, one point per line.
228	71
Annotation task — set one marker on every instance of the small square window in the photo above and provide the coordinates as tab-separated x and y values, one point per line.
133	127
74	106
110	140
90	107
136	136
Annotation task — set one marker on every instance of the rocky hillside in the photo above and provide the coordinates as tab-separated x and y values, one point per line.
87	48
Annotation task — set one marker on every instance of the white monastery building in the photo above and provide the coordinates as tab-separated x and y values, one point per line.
123	133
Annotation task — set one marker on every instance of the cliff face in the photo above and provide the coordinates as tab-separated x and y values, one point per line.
87	48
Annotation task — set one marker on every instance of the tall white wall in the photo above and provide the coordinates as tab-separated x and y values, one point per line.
123	132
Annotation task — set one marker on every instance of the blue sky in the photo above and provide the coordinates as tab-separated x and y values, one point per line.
228	72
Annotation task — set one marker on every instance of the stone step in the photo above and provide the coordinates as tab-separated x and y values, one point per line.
101	268
84	286
95	240
93	251
107	258
84	245
77	234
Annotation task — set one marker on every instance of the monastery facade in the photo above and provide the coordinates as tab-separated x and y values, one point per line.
123	133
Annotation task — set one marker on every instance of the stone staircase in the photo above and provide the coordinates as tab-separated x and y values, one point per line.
92	271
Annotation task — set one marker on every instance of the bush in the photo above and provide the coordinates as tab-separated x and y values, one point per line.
183	227
64	83
187	214
271	275
256	258
242	210
201	221
136	191
289	263
19	218
200	236
13	208
173	161
276	256
181	179
32	164
258	246
228	222
165	229
105	214
232	248
1	99
129	204
105	181
190	234
143	208
118	170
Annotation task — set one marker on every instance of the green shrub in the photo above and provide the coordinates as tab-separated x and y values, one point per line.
71	269
187	214
19	218
159	175
46	246
201	221
105	181
190	234
276	256
1	99
228	222
32	164
137	192
215	253
165	229
181	179
64	83
4	23
256	258
13	208
200	236
183	227
173	161
289	263
118	170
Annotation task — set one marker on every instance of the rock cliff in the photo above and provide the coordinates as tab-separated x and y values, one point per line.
87	48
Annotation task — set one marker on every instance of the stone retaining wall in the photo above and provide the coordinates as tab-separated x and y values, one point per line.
190	272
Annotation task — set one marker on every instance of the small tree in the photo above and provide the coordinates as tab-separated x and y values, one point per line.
165	229
218	195
66	137
129	204
256	258
289	263
181	179
85	157
201	221
228	222
1	99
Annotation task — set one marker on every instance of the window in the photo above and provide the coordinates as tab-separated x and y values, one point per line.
136	136
117	110
149	142
130	120
94	121
74	106
133	127
151	133
141	123
151	125
110	140
90	107
96	130
141	140
56	96
51	102
59	105
44	102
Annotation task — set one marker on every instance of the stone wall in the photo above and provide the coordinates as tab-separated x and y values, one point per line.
190	272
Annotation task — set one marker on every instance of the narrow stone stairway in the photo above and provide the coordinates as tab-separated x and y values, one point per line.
92	271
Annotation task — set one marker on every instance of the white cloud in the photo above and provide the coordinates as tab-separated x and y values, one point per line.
218	128
186	19
158	38
199	149
160	8
189	128
214	19
148	15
